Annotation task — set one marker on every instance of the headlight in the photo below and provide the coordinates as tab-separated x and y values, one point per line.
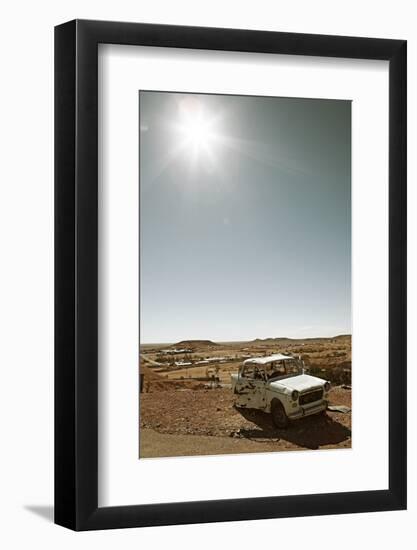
294	395
327	386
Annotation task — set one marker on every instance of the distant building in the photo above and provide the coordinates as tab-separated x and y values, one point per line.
176	351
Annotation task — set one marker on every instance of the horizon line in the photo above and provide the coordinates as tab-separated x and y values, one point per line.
248	341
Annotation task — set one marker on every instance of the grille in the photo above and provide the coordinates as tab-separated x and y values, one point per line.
311	396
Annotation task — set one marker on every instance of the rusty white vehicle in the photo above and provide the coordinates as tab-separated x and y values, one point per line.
278	385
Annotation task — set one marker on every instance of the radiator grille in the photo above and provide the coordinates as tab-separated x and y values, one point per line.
311	396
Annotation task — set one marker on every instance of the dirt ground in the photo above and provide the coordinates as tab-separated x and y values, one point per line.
188	422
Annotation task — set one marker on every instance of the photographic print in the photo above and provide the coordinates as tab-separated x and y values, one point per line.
245	274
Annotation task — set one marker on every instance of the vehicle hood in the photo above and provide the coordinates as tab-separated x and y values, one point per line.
301	382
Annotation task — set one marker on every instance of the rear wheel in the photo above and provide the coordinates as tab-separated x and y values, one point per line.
279	416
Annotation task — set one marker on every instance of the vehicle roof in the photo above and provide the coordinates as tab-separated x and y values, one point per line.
268	359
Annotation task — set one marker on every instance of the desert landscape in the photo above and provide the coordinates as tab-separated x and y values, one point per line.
187	405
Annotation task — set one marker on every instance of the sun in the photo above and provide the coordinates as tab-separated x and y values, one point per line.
197	130
198	133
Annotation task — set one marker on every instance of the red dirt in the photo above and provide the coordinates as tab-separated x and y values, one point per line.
211	413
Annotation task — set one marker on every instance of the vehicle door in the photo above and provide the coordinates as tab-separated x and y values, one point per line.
250	388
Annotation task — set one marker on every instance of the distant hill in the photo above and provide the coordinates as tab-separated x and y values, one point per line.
266	340
283	339
191	344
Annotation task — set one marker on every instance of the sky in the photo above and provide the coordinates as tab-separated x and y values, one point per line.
245	217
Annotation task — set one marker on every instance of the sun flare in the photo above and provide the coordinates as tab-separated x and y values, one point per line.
197	129
197	132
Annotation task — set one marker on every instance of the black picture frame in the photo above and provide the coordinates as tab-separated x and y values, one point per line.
76	272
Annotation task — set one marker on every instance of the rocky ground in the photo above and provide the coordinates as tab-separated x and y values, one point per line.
205	421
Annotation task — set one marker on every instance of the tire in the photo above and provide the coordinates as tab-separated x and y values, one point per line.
279	416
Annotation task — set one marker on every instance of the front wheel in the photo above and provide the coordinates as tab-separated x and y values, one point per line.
279	416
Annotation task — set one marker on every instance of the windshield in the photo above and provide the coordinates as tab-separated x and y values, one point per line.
275	369
282	368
